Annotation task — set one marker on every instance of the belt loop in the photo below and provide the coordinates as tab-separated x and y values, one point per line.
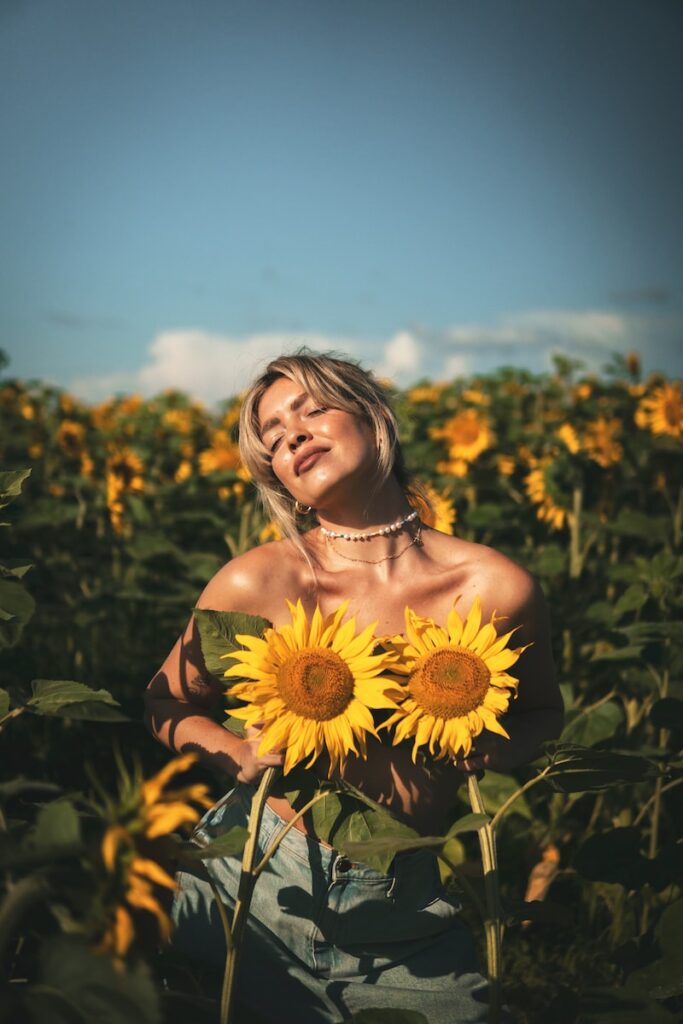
394	881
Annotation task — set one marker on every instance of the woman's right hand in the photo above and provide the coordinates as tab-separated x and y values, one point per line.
252	764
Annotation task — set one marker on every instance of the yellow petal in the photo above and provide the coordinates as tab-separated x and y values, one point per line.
153	871
472	623
113	838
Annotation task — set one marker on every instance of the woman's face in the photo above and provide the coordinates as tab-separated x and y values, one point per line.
318	453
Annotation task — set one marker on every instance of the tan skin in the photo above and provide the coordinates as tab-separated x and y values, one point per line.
427	578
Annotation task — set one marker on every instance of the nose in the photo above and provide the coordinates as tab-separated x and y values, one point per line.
297	436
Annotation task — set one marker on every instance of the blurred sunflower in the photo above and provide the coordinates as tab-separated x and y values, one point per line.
662	411
70	437
599	441
271	531
428	393
131	849
476	396
467	435
505	464
440	513
582	391
312	686
457	681
569	437
179	420
183	471
221	456
536	486
123	475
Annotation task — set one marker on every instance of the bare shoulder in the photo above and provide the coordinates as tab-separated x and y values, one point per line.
503	585
253	582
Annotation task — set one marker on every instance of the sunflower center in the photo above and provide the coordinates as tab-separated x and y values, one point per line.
315	683
466	432
449	682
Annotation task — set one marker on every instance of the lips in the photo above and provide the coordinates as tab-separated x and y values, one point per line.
308	459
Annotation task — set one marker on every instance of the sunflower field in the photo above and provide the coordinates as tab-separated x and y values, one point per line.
115	516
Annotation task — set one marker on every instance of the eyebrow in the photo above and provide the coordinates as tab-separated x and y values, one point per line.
293	406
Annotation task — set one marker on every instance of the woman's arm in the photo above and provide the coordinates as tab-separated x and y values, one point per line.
182	695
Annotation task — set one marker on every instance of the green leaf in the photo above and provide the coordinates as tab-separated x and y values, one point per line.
11	482
589	726
602	612
16	572
342	820
4	703
57	824
17	606
91	711
229	844
379	851
387	1016
76	984
631	600
51	696
577	769
631	523
618	654
495	790
234	725
652	632
217	632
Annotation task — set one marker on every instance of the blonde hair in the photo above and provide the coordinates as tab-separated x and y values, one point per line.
332	381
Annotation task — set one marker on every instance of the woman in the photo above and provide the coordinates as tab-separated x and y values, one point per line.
328	937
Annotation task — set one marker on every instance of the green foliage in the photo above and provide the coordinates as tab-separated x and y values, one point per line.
116	554
218	630
76	986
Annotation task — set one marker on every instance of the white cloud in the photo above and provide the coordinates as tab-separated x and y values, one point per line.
546	326
208	366
211	367
401	358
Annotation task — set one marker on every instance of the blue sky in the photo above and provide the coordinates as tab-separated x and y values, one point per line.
434	188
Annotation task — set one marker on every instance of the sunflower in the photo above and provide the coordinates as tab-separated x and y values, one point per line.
124	471
312	686
130	851
457	681
428	393
599	441
222	455
70	437
536	486
467	435
441	515
271	531
179	420
505	464
662	411
476	396
570	439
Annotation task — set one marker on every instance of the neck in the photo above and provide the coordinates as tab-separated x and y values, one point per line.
362	513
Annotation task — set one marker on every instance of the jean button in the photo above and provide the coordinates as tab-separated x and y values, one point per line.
343	864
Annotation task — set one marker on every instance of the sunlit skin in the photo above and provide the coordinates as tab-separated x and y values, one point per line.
339	485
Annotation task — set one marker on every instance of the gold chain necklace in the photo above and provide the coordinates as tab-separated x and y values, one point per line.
416	540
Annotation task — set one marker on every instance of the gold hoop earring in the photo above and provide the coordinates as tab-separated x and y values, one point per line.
303	510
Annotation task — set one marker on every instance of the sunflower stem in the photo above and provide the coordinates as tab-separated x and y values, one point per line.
492	922
244	893
320	795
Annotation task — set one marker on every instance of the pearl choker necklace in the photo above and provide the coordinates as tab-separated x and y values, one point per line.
382	532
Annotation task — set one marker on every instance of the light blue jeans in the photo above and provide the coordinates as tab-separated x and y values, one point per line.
327	937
